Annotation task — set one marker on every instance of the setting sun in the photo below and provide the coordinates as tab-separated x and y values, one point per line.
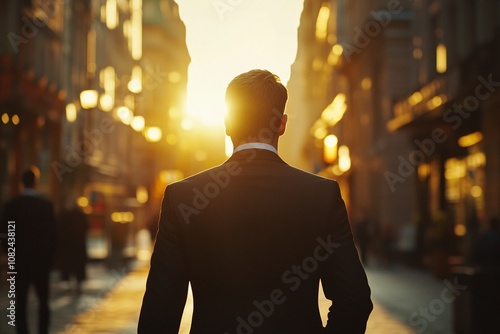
226	38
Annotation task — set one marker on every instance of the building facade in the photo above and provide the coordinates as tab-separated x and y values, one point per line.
354	60
34	87
88	100
452	117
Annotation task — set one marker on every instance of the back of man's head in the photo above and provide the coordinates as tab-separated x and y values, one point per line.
29	178
255	104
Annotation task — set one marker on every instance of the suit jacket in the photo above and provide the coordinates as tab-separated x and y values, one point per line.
35	234
254	237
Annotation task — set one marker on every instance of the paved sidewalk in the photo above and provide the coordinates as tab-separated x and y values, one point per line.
65	304
112	301
119	312
412	297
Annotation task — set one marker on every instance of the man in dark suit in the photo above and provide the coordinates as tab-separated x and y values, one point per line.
33	235
254	237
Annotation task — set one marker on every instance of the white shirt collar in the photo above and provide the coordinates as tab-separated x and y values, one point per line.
29	192
256	145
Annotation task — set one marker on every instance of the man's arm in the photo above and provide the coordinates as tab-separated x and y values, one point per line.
344	279
167	284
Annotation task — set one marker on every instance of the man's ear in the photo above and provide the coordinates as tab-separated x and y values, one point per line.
282	128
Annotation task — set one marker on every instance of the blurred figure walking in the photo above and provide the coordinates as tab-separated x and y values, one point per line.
35	244
486	251
73	227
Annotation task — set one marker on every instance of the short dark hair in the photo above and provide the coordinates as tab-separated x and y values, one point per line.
29	178
255	100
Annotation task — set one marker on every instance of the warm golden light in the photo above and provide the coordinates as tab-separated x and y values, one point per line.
212	68
320	133
144	254
102	13
174	77
135	83
15	119
172	139
344	159
71	112
138	123
330	148
470	139
335	53
122	217
319	129
107	80
476	160
171	175
136	24
153	134
334	112
415	98
187	124
435	102
322	22
423	171
476	191
441	58
460	230
88	98
455	169
366	83
228	146
5	118
82	202
331	141
125	115
106	102
141	195
111	14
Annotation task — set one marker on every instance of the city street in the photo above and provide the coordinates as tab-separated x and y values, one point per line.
111	300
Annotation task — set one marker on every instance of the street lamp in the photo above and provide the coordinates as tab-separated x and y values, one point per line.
330	148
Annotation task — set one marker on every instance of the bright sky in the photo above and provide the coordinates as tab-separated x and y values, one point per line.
229	37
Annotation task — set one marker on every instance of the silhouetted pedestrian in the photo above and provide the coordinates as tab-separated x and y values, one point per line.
486	251
34	242
73	227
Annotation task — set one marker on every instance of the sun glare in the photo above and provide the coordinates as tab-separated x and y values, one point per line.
224	41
